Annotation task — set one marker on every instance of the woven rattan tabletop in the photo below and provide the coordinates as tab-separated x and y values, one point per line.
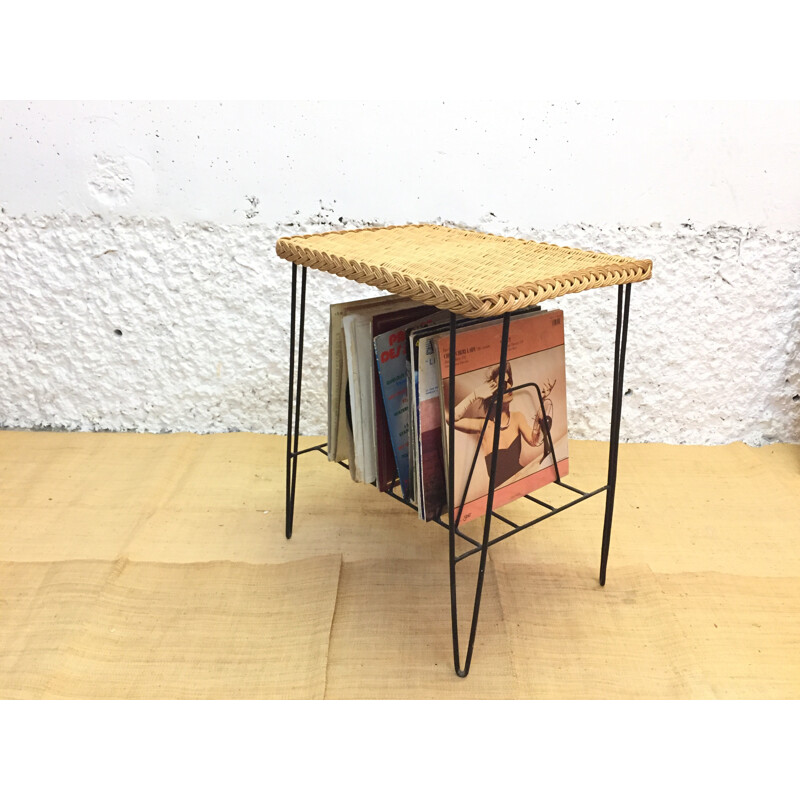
471	273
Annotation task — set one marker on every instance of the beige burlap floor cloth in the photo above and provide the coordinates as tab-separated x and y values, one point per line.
98	629
156	566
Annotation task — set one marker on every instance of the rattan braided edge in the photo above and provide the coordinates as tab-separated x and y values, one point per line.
614	270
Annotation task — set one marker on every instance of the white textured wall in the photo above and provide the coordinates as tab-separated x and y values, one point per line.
140	290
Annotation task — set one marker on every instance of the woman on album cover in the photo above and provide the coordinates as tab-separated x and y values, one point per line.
514	425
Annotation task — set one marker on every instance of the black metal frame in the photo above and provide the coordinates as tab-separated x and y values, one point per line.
453	519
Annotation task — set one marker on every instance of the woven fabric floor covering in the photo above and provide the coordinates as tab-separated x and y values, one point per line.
132	630
470	273
155	566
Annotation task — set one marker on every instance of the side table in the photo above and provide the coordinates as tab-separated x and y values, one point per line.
474	275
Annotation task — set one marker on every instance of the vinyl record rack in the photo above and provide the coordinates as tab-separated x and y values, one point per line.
476	275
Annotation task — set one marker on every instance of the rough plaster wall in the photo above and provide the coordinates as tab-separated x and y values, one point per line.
147	325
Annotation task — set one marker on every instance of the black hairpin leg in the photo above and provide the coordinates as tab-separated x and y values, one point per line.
489	500
623	308
293	424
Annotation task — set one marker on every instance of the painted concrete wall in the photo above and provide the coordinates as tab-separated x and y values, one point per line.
140	290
